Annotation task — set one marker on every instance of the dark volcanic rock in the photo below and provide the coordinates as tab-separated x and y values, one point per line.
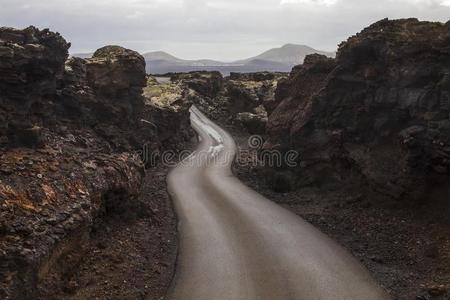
207	84
245	95
117	75
69	135
258	76
31	60
235	99
253	123
167	111
105	93
76	99
379	111
249	90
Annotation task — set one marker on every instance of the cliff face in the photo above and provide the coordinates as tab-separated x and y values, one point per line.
379	112
70	132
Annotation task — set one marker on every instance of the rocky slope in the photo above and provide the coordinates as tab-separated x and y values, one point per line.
378	113
70	142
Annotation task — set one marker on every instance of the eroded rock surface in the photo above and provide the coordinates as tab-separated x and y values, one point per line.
71	138
377	114
30	63
117	76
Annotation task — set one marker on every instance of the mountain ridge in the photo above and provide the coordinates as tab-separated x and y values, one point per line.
280	59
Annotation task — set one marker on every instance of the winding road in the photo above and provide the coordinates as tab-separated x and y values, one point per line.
236	244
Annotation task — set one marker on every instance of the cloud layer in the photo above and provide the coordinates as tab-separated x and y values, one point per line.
218	29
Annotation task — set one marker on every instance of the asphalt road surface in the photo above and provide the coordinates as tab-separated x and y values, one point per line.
236	244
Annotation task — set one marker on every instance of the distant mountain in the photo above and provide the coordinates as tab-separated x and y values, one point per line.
274	60
289	54
160	62
161	55
82	55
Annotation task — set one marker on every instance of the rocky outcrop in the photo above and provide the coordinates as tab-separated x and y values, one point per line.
117	76
247	91
71	138
76	98
250	95
239	99
108	88
207	84
167	110
31	61
379	112
253	123
51	199
257	76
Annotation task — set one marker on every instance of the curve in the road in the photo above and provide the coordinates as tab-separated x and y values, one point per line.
236	244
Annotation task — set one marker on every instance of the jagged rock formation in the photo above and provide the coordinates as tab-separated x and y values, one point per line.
378	113
71	135
30	63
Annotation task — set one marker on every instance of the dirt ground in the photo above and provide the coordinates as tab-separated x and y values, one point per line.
131	254
406	249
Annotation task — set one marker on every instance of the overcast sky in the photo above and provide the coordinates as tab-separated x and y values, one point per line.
216	29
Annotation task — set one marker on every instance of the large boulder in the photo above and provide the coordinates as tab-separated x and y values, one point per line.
379	111
31	61
117	76
207	84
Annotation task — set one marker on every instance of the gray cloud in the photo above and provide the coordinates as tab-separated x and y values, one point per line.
219	29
